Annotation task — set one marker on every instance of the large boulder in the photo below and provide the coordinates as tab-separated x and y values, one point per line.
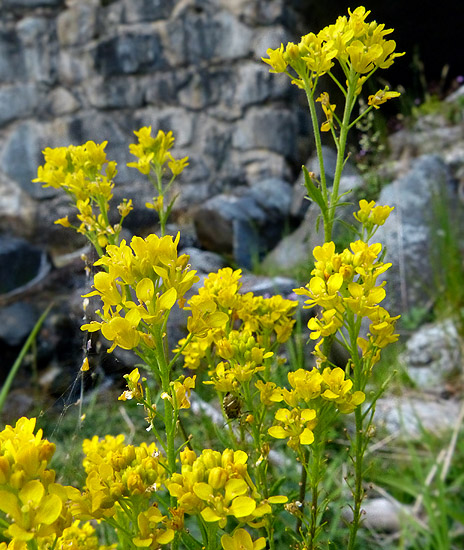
408	234
246	225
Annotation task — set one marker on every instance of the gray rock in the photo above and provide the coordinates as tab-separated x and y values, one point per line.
207	87
267	128
32	3
269	286
74	66
409	416
61	101
136	11
17	101
204	261
115	92
78	24
17	209
216	35
407	233
16	322
380	514
255	85
433	355
21	265
260	164
293	251
39	48
244	226
12	66
129	53
217	220
21	156
273	195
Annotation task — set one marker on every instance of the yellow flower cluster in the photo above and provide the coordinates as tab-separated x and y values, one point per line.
35	505
116	473
309	388
38	510
217	486
218	307
346	284
159	277
87	176
81	537
357	45
243	358
153	152
371	216
241	540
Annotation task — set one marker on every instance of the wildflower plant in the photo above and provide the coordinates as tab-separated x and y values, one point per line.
171	491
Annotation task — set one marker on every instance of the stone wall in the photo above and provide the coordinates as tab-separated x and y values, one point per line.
78	70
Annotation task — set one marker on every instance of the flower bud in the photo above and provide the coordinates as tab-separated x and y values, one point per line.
217	478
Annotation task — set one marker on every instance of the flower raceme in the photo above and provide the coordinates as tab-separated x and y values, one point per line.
309	388
35	506
154	152
360	48
150	268
351	41
86	175
216	486
345	285
218	306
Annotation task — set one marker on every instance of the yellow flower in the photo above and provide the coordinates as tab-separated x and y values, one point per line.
307	384
182	390
319	53
125	207
152	531
241	540
382	96
337	386
31	511
135	388
329	323
363	58
269	392
153	152
296	425
177	166
63	221
328	109
276	59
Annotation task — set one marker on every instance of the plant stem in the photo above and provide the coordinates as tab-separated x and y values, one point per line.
315	476
164	372
341	147
359	379
309	89
358	492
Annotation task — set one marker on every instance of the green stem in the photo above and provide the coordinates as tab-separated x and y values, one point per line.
359	445
309	89
315	477
341	147
169	421
358	491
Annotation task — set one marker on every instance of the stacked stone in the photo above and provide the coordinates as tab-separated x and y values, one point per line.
78	70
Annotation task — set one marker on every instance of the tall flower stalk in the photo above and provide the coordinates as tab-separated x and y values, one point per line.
360	48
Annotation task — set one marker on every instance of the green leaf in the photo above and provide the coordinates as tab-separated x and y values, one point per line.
314	192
